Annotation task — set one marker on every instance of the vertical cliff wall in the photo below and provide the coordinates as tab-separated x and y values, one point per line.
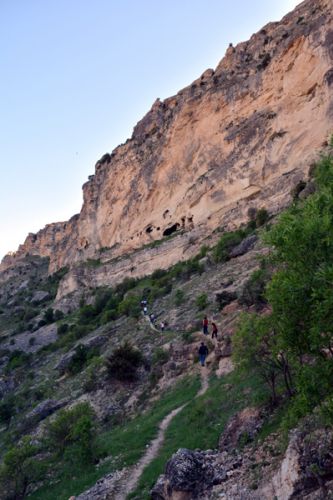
239	136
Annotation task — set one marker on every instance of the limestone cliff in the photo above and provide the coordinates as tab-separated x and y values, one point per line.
239	136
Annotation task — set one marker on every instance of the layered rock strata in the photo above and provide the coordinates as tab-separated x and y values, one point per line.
239	136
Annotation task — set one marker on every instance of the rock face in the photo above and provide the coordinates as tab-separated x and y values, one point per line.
240	136
187	474
305	470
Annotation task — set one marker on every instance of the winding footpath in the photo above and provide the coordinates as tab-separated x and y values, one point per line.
130	483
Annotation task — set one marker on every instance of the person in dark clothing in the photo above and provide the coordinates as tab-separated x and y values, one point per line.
203	353
214	330
205	325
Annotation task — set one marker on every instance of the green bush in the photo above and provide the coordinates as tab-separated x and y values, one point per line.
62	329
159	273
226	243
48	316
201	301
254	289
30	313
92	376
160	356
72	434
130	306
125	286
124	362
58	315
17	359
102	298
187	337
7	410
78	360
108	315
87	313
179	297
20	469
261	217
203	252
80	331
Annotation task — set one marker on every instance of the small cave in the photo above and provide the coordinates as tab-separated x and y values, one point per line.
165	213
158	228
149	229
172	229
183	219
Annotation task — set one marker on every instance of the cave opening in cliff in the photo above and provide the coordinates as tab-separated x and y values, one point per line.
149	229
170	230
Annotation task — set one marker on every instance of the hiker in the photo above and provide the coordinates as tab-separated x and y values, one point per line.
152	317
143	303
162	326
205	325
145	310
203	352
214	330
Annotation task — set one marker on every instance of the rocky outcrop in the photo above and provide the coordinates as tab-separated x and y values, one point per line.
240	136
65	361
187	474
258	473
245	246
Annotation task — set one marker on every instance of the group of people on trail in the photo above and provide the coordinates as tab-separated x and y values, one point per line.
205	324
203	349
152	316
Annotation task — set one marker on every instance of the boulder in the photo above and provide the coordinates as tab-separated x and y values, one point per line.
64	362
23	285
187	475
245	246
44	409
39	297
96	341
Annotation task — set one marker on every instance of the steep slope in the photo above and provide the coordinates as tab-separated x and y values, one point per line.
239	136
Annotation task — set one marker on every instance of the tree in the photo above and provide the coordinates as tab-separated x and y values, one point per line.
72	434
20	469
301	297
124	362
256	347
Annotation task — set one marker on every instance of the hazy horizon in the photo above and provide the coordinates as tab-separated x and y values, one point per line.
77	77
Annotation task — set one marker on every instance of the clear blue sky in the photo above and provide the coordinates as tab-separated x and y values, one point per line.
77	75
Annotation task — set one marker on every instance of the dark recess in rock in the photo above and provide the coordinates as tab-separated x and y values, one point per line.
170	230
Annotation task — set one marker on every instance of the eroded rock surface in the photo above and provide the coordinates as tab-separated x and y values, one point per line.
238	137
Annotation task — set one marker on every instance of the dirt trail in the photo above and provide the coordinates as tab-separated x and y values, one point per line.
152	326
129	484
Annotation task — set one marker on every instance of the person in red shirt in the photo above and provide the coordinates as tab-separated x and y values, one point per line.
205	325
214	330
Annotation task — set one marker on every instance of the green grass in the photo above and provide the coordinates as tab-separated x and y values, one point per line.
207	417
124	444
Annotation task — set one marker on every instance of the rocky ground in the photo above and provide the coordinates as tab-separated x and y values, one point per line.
244	462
